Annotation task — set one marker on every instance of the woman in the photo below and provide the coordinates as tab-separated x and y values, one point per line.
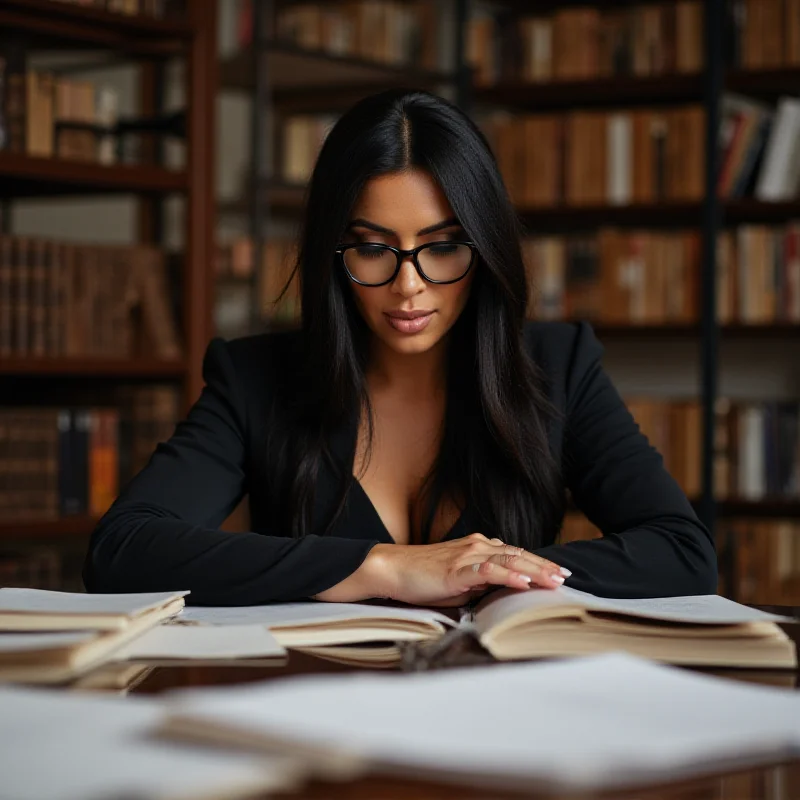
415	440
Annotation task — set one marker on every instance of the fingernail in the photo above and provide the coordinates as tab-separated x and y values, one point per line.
526	578
557	579
565	572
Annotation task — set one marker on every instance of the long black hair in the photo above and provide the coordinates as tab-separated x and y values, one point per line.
494	452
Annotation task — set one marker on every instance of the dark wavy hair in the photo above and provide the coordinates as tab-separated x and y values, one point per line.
494	453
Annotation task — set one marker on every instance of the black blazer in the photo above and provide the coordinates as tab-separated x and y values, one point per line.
162	532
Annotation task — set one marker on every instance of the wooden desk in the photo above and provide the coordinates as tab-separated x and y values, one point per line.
777	782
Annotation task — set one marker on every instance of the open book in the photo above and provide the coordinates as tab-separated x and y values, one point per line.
43	610
703	630
601	722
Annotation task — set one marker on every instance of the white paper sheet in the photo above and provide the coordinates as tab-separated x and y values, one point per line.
606	721
202	642
42	601
290	614
76	746
701	609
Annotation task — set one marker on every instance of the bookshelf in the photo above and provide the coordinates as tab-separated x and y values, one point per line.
42	383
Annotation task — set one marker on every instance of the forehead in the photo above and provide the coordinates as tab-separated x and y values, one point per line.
403	201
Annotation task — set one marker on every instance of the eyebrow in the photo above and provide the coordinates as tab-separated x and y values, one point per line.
363	223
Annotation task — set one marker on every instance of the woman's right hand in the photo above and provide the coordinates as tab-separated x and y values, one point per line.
447	573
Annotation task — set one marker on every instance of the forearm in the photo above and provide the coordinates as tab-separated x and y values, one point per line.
664	558
372	579
139	550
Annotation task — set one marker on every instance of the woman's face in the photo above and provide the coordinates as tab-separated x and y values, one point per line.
407	209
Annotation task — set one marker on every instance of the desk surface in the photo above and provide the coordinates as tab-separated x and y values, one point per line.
777	782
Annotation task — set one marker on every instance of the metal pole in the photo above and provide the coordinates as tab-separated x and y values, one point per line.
259	205
462	69
712	212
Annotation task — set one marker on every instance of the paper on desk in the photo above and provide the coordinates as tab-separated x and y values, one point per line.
27	642
291	614
697	609
86	747
202	642
600	722
41	601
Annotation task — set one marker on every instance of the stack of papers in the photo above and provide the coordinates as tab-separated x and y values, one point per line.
607	721
83	747
53	637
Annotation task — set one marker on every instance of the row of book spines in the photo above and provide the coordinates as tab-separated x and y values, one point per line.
586	43
39	567
72	461
757	450
39	108
758	275
147	8
652	278
764	34
385	31
598	157
57	463
766	560
615	277
64	299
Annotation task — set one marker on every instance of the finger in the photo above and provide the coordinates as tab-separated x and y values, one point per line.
487	572
510	551
542	572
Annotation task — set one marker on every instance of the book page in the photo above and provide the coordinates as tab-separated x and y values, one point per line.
42	601
601	722
280	615
27	642
65	746
202	642
699	609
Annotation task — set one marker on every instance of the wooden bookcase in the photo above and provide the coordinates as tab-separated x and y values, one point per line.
143	40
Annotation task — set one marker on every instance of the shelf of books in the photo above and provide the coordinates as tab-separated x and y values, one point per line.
100	344
144	27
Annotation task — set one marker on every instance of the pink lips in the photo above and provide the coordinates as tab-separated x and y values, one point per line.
409	321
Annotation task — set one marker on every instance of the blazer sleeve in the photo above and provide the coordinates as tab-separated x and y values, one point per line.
162	532
653	544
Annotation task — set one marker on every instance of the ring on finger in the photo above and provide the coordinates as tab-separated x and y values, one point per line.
476	567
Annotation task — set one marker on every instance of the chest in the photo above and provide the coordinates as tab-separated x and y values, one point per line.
393	472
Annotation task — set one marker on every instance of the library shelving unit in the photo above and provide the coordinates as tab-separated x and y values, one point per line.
48	25
710	214
281	78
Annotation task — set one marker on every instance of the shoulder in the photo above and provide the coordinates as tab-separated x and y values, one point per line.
562	350
254	363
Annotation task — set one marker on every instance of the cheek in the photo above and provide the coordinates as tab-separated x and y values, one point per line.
368	300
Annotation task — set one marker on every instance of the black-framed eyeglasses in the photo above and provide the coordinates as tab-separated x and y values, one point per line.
372	264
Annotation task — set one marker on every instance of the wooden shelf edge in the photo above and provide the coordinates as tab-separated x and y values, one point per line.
60	174
92	18
236	70
92	367
768	507
79	526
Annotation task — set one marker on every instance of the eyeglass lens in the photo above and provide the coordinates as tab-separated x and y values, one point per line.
441	261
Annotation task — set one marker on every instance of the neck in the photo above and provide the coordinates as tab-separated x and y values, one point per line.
417	375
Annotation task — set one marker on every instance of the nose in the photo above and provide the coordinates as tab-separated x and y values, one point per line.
408	281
